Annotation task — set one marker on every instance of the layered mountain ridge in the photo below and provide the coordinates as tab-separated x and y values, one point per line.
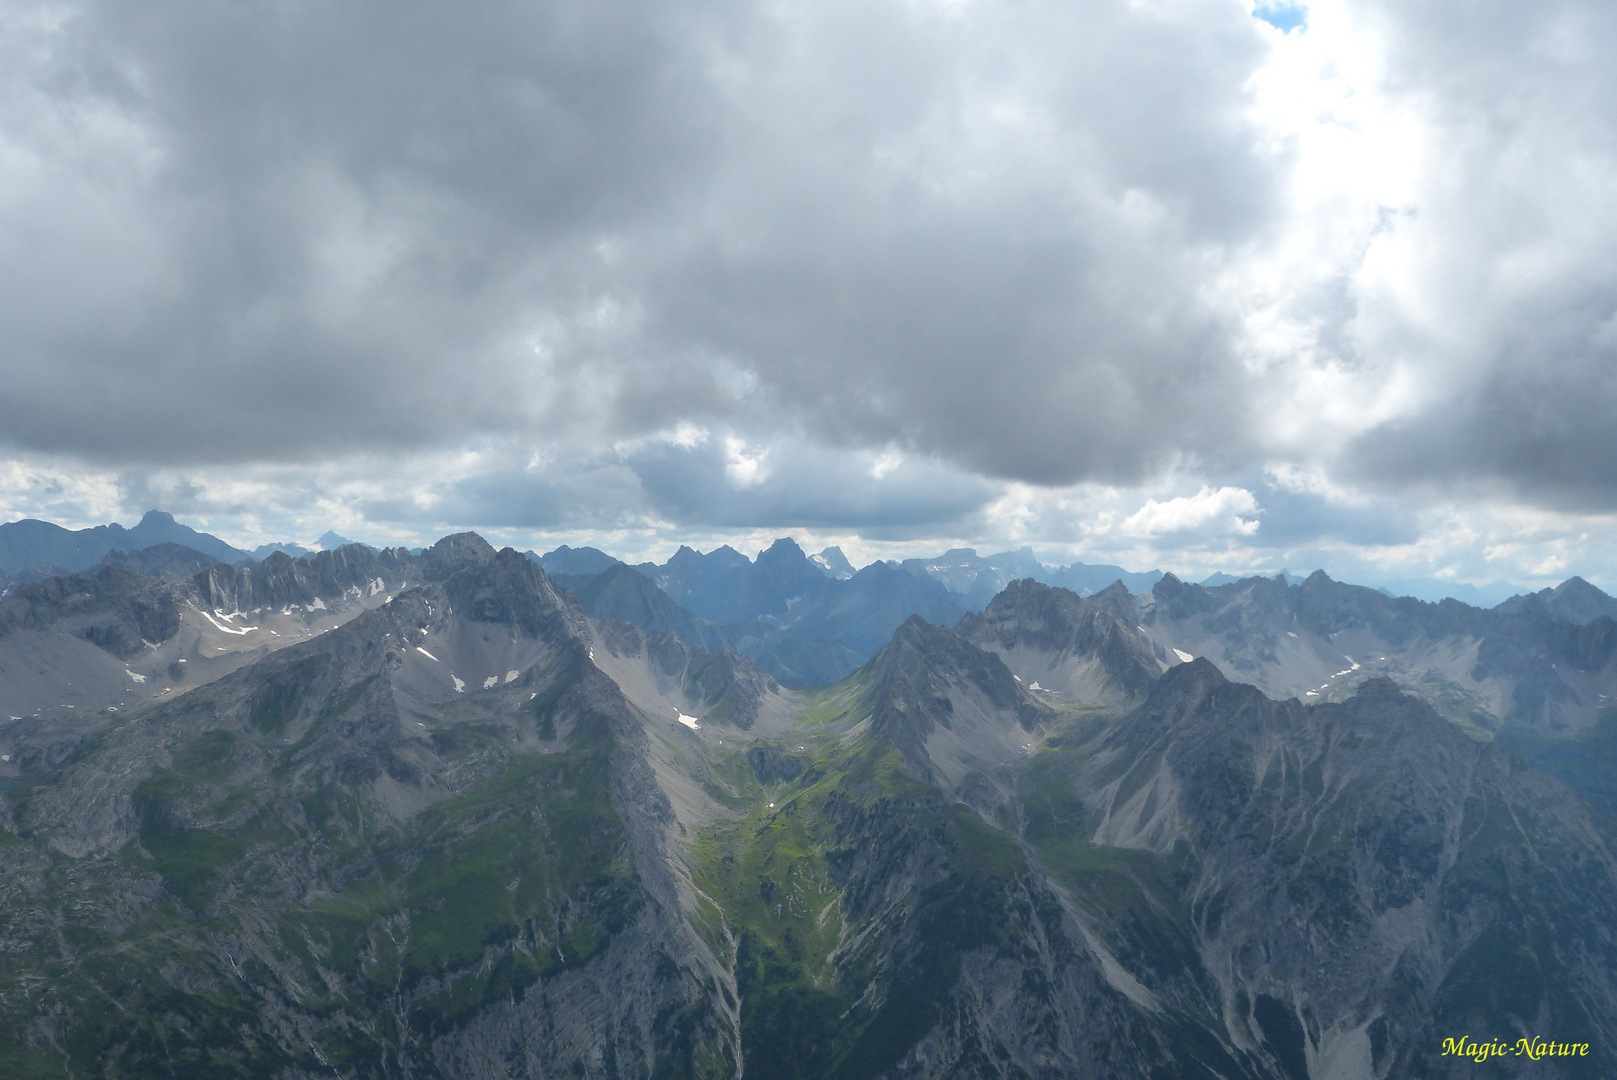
428	816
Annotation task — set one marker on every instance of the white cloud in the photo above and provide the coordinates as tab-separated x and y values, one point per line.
888	460
689	436
1123	279
1227	510
745	469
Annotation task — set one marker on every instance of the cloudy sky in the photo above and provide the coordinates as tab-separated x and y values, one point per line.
1167	283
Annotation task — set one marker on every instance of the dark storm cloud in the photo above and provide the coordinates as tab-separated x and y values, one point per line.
289	230
1292	518
578	494
1009	240
1542	427
1508	313
332	224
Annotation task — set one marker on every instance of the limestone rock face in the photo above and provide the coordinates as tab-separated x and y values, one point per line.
423	816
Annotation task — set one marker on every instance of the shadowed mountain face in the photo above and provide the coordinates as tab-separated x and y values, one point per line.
803	625
1088	648
1509	667
455	827
170	562
1574	601
1543	686
1340	884
1518	667
977	579
575	562
341	860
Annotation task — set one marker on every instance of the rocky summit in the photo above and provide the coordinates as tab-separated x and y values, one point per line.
377	814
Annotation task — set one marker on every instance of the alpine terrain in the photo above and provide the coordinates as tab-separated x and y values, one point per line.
446	814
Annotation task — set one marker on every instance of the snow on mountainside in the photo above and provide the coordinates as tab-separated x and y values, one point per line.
424	815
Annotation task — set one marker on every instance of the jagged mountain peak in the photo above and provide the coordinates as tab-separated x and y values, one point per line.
948	706
457	552
168	561
921	657
783	547
1574	600
581	560
1190	681
331	540
512	590
833	563
723	556
1089	647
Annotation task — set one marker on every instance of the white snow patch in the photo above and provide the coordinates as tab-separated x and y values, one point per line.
318	605
1290	634
688	721
1183	655
7	757
217	625
1018	678
490	681
425	653
511	676
460	687
1035	685
137	676
1313	693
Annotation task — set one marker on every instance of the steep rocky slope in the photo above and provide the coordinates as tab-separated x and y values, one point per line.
1346	884
345	859
471	832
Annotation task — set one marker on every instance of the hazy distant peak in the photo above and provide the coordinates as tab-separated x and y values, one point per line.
782	547
1574	601
264	551
583	560
833	563
959	553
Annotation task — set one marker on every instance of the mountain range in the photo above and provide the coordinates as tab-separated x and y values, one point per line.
32	543
383	814
32	550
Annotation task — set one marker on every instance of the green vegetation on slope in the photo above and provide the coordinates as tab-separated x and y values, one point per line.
836	979
265	918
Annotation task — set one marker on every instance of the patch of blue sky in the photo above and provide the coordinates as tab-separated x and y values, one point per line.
1282	15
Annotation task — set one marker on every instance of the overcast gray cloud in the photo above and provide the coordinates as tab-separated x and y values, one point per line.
1067	273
